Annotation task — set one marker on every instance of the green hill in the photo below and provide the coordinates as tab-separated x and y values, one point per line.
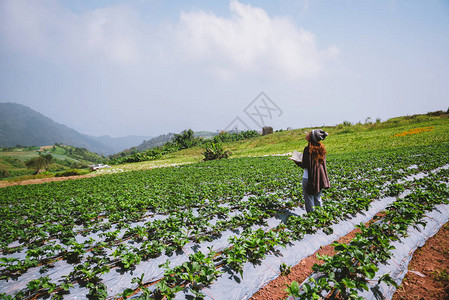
13	159
343	138
400	165
20	125
157	142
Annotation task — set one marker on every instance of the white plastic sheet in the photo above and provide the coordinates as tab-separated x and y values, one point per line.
256	276
397	266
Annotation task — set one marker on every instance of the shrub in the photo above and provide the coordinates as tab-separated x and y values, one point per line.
232	137
79	165
4	173
46	173
436	113
215	151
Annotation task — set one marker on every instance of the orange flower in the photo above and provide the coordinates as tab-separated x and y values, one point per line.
414	131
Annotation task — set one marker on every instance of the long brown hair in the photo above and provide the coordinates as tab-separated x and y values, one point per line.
317	150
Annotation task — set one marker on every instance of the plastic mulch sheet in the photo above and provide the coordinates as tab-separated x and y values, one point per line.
229	285
397	265
255	276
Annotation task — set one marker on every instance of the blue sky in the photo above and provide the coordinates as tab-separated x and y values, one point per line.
148	67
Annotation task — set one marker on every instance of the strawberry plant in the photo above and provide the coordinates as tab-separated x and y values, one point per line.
130	218
284	269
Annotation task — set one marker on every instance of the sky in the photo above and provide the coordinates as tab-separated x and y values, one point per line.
149	67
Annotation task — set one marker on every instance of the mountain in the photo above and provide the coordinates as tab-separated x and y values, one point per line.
120	143
20	125
156	141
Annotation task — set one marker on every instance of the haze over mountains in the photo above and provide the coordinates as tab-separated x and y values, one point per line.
21	125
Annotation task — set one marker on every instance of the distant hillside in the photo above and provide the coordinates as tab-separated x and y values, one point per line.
120	143
159	141
163	138
13	159
343	138
154	142
20	125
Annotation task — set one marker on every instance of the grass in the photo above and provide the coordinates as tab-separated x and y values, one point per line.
13	162
360	138
341	139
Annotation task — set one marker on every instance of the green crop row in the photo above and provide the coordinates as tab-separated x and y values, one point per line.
354	264
194	203
254	245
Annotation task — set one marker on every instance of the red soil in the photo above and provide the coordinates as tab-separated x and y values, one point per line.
432	261
42	180
276	288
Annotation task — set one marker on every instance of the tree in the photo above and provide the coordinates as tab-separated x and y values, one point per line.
40	162
186	139
48	159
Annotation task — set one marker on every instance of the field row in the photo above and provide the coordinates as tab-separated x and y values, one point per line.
108	226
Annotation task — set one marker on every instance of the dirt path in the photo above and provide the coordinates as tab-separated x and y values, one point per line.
428	272
276	288
430	261
43	180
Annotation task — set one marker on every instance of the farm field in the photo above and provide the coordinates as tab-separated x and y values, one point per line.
13	160
342	139
205	229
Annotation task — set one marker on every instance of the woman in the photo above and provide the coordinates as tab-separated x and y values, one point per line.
315	178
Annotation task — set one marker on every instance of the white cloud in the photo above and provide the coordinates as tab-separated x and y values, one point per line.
248	41
115	32
47	30
115	60
251	40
